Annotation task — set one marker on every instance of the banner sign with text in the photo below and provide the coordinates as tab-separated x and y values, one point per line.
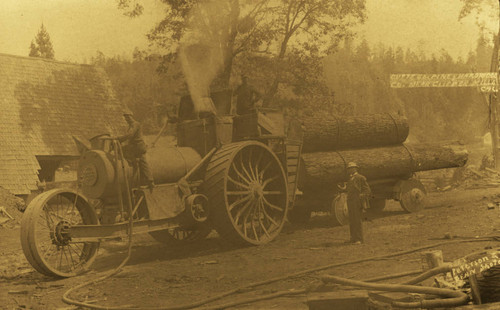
486	82
464	269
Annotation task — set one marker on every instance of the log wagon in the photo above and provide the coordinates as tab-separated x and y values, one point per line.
234	174
377	144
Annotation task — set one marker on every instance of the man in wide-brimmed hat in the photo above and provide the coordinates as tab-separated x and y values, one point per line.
358	193
135	149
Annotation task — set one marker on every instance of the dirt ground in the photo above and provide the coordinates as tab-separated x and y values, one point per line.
157	275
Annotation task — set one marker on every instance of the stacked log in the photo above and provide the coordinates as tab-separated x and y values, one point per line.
325	169
327	132
375	143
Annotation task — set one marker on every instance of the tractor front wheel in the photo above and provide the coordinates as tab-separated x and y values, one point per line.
46	238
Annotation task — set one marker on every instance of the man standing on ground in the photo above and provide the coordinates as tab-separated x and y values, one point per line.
135	149
246	97
358	193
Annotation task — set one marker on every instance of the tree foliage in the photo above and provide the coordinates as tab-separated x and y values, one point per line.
41	46
137	84
359	78
278	32
478	7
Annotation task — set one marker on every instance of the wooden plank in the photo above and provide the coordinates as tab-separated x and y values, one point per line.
292	161
345	300
490	306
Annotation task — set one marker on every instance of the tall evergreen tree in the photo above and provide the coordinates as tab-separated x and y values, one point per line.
42	46
34	52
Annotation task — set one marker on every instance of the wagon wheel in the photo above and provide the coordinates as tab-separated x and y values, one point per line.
45	238
412	195
179	236
339	210
247	192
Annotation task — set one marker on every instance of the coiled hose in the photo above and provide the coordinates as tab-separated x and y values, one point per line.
454	298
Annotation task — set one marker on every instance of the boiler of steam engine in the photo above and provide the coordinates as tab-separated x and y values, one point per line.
98	174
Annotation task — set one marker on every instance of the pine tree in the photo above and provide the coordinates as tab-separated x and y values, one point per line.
34	52
42	46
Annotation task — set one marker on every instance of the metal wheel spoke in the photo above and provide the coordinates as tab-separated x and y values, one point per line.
57	216
267	181
66	257
250	165
60	257
77	246
57	205
240	212
51	249
238	192
245	219
45	222
237	183
245	170
245	227
262	223
267	215
253	226
257	163
261	175
233	166
71	256
63	256
270	205
75	213
237	202
78	262
273	192
47	216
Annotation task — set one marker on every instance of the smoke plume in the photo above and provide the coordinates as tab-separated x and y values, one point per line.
201	51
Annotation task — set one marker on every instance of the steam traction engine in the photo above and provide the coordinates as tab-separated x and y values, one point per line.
236	174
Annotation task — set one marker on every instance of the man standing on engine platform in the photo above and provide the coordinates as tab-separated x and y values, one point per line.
246	97
135	149
358	193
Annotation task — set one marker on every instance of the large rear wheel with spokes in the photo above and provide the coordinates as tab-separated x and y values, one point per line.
46	238
247	192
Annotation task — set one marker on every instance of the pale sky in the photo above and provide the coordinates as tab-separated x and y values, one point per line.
430	25
78	28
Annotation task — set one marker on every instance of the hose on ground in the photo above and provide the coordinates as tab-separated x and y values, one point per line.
393	276
429	273
65	297
454	298
67	300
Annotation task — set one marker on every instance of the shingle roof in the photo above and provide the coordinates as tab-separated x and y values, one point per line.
43	103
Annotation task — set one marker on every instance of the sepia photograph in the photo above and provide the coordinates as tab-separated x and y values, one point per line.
249	154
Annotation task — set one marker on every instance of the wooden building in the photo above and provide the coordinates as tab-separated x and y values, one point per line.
43	104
